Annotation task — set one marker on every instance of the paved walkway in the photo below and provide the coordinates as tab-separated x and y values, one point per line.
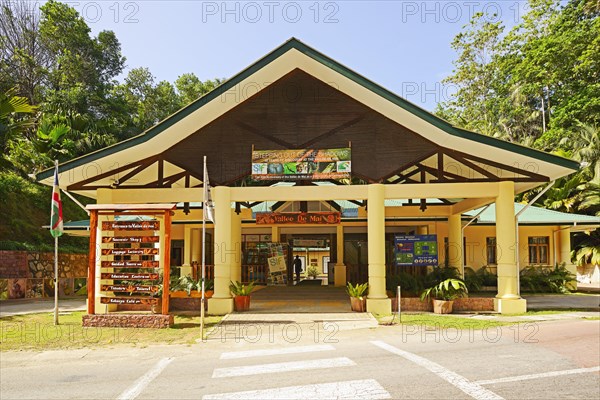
32	306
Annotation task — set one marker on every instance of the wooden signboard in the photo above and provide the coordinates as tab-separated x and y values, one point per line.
130	288
130	239
130	264
129	300
318	218
129	276
130	226
130	252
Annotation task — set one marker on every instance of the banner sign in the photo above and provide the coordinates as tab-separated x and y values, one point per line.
130	239
130	264
302	164
416	249
319	218
129	300
129	275
309	243
130	288
130	252
277	264
130	226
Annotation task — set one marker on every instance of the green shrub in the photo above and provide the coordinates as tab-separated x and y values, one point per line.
440	274
358	291
538	279
473	281
488	278
407	282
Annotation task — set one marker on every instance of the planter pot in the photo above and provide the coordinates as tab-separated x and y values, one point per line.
241	303
442	306
358	305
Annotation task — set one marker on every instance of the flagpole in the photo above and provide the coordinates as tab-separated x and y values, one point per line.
56	269
204	207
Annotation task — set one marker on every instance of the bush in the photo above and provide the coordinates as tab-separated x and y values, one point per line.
539	279
440	274
473	281
407	282
487	277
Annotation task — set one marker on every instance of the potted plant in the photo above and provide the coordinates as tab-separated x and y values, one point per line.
312	272
444	293
241	293
357	293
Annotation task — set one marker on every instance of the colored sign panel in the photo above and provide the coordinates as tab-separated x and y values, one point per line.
416	249
302	164
129	275
130	264
319	218
130	239
130	252
130	226
129	300
130	288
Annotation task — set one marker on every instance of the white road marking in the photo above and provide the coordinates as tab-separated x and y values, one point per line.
538	376
272	352
460	382
139	385
282	367
368	389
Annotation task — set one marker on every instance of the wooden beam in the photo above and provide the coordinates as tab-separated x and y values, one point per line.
166	261
410	164
471	204
331	132
81	185
271	138
91	283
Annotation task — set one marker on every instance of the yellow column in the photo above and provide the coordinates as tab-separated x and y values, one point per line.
222	303
236	240
565	254
275	234
186	268
339	277
377	301
507	300
455	248
196	245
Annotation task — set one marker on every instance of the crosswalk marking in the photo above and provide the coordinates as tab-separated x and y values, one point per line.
460	382
538	376
276	351
367	389
282	367
139	385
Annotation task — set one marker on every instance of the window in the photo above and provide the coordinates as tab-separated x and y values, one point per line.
490	246
539	247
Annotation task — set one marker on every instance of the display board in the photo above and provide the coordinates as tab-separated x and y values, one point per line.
301	164
416	250
277	264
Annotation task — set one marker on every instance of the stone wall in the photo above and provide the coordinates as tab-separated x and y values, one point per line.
26	274
128	321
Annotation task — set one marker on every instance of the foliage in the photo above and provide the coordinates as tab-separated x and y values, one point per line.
409	284
358	291
239	289
189	284
543	280
487	277
587	249
448	289
473	281
440	274
312	272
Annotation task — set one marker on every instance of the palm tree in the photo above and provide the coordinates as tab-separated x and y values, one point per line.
12	121
586	149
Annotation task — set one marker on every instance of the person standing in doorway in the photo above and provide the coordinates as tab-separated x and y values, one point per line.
298	267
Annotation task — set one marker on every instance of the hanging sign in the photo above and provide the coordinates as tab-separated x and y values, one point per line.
130	264
301	164
130	252
130	226
130	288
129	275
318	218
129	300
309	243
416	249
130	239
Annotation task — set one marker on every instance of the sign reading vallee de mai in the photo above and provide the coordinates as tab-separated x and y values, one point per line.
319	218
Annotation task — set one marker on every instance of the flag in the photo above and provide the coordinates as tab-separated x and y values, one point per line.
209	206
56	215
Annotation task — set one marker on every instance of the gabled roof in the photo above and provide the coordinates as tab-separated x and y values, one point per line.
536	216
295	55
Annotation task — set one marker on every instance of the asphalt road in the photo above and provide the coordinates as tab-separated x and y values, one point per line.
549	360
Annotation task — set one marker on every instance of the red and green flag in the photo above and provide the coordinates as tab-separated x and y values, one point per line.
56	215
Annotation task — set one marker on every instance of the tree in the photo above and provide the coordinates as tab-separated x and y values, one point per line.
12	121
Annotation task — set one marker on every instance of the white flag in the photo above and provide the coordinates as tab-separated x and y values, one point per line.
208	205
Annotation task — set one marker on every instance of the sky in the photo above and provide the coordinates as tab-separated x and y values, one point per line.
402	45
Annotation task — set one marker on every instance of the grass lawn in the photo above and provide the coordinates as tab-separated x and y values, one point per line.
443	321
37	332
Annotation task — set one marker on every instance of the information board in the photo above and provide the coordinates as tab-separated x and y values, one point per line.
416	249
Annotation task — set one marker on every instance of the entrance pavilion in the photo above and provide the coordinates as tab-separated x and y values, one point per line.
298	98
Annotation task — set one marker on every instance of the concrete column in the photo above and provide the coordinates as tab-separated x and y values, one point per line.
565	254
274	234
196	245
236	240
507	300
377	301
455	243
422	230
186	268
222	303
339	277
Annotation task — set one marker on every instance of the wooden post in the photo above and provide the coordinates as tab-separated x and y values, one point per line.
91	283
167	261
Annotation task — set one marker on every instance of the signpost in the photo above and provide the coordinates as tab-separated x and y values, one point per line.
416	250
